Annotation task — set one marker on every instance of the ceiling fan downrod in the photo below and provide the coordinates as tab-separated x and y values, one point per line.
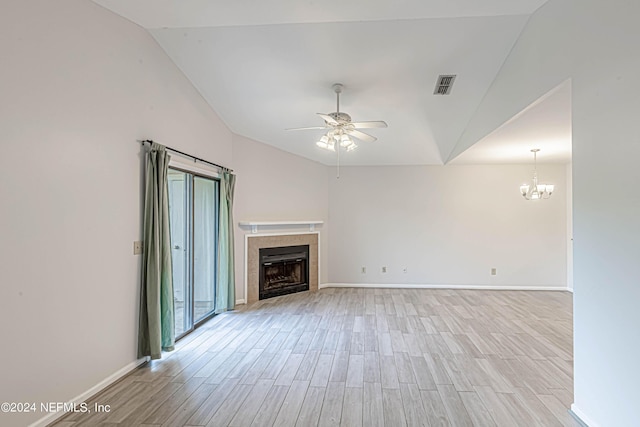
337	88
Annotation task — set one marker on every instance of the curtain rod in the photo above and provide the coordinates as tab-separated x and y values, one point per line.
143	141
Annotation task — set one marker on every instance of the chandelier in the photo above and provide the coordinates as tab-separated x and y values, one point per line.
536	191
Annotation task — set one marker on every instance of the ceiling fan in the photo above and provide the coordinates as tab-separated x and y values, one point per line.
342	129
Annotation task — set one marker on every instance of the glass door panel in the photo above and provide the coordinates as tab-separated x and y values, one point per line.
193	221
179	218
205	230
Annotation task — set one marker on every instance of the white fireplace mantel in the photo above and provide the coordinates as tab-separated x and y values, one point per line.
255	224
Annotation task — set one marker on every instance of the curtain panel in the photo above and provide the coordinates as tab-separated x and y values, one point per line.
156	327
226	286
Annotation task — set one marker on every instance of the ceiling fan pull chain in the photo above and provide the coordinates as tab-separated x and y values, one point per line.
338	163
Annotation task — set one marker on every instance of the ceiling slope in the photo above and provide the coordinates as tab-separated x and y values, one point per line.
264	79
224	13
545	124
268	66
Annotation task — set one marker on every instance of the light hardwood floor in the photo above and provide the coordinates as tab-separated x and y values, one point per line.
355	357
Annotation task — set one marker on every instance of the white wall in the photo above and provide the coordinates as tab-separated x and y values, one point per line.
447	225
596	45
273	185
78	86
569	227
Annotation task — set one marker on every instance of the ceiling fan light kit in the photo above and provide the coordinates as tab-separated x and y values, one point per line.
536	191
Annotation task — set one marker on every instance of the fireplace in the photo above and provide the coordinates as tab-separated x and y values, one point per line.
283	270
255	242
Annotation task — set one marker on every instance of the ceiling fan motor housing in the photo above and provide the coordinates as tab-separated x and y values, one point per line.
341	117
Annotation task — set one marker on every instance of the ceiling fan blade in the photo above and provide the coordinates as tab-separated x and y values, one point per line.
309	128
327	118
361	135
365	125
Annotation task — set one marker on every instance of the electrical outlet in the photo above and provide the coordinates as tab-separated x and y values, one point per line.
494	271
137	247
384	269
364	270
404	270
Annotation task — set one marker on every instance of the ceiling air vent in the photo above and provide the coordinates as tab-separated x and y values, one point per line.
444	84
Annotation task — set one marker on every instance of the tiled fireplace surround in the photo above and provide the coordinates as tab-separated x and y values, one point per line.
256	242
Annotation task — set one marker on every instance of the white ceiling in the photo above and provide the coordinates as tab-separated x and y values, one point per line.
545	124
269	65
225	13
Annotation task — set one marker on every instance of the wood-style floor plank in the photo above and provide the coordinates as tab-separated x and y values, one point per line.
288	414
331	413
454	406
352	407
248	410
311	407
478	413
392	407
413	408
434	408
361	357
270	408
372	407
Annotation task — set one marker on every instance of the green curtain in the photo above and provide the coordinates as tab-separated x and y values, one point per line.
156	329
226	286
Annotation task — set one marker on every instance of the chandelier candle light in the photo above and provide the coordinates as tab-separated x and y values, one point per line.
536	191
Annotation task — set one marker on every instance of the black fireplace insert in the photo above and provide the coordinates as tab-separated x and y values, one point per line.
283	270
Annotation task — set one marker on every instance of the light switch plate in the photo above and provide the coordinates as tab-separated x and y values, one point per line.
137	247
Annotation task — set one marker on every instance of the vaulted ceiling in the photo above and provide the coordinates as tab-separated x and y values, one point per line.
265	66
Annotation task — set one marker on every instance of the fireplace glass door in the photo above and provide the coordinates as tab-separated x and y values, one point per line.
283	270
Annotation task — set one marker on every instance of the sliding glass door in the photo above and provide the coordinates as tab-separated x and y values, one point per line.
193	219
205	245
180	227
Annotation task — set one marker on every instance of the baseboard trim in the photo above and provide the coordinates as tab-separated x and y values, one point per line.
435	286
50	418
240	301
581	417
